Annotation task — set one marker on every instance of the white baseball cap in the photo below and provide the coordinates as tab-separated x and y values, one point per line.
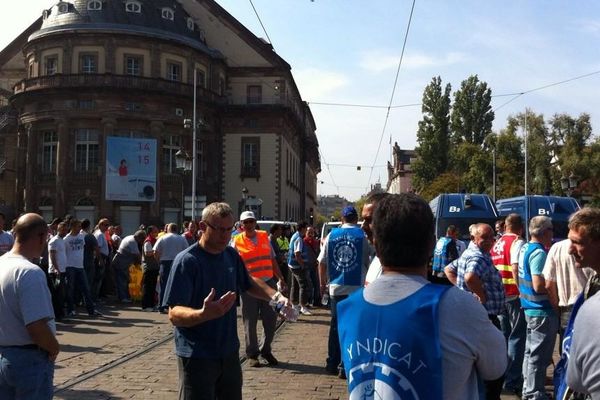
247	215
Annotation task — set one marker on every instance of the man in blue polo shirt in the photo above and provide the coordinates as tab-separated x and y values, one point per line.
203	287
343	265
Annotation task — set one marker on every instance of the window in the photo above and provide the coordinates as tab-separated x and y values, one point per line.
170	147
250	157
133	106
133	65
200	160
254	94
221	86
133	7
201	78
168	13
49	148
174	71
86	150
190	24
51	65
94	5
63	8
85	104
31	70
88	63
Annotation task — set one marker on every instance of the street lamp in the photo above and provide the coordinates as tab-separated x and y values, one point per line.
245	197
183	164
568	184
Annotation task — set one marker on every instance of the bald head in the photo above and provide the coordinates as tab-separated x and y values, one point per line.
29	226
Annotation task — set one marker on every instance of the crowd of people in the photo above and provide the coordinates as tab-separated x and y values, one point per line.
409	316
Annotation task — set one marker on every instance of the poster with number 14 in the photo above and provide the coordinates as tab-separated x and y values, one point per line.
130	169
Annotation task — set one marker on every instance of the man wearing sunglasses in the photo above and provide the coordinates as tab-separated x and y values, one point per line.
203	286
259	257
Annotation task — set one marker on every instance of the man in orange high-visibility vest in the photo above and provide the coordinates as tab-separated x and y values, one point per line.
259	257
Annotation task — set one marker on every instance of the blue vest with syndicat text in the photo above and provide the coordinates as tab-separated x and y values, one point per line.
392	351
345	256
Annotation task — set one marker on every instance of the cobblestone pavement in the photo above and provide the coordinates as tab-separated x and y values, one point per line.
94	345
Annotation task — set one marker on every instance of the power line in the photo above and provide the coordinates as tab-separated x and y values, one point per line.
387	115
328	169
261	24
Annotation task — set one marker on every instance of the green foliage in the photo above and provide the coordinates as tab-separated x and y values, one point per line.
472	114
433	134
445	183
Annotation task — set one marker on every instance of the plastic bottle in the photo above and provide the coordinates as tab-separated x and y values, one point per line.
288	313
325	298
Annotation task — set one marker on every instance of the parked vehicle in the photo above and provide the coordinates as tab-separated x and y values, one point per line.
462	210
556	207
267	224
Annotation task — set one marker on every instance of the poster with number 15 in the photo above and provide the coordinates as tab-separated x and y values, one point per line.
130	169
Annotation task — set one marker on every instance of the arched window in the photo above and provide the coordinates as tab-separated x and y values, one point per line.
85	201
63	7
94	5
133	6
167	13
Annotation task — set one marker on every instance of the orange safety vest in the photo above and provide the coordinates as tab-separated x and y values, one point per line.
501	258
257	257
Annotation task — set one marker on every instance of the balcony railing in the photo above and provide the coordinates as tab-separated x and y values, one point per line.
116	82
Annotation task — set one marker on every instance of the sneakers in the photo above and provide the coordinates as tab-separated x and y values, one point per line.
71	314
148	309
342	374
95	313
305	311
270	358
253	362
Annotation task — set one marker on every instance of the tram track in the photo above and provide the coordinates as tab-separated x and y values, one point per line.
58	389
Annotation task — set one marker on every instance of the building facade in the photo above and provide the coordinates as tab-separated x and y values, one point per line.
400	173
96	82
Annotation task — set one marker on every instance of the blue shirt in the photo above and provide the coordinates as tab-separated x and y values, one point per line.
474	261
193	274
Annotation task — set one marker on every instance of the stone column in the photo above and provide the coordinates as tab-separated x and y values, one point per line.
20	167
29	168
62	159
108	129
157	129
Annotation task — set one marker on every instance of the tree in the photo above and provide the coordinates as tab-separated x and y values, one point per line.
445	183
472	114
509	164
433	134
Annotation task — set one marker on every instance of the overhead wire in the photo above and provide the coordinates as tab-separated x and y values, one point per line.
387	115
261	24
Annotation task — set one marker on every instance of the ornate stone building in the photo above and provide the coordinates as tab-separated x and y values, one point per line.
90	71
400	173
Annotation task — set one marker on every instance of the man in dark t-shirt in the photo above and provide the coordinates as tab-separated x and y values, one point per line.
203	286
90	250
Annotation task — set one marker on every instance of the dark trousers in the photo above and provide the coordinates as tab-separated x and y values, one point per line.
165	270
210	379
149	288
252	309
301	288
76	278
58	293
334	355
99	276
493	388
315	294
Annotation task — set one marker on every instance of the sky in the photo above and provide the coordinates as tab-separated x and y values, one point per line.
348	51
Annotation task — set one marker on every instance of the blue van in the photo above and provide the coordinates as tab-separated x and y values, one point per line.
555	207
462	210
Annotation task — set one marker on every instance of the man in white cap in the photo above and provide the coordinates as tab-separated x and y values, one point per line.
261	262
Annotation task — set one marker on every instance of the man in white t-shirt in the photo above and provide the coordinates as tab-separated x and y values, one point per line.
165	249
129	252
57	269
28	345
102	260
76	277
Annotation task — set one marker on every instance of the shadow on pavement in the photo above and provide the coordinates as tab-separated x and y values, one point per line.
314	322
82	329
301	368
85	394
69	348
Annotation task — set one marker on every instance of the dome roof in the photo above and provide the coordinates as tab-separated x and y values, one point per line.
165	19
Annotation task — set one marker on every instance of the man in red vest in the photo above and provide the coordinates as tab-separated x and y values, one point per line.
505	256
261	262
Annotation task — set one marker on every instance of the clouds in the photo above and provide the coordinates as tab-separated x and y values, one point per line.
590	26
315	83
380	60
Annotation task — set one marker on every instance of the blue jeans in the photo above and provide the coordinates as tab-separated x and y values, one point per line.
121	265
165	270
514	328
334	355
25	374
76	278
541	336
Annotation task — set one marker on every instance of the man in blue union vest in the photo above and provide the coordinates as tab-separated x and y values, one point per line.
405	338
541	318
343	264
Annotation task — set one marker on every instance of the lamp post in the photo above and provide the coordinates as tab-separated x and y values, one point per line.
183	164
568	184
245	197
